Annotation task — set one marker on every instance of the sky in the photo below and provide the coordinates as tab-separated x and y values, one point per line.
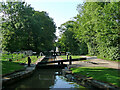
60	10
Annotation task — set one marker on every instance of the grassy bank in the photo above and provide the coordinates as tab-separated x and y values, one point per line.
6	57
73	57
100	73
9	67
25	60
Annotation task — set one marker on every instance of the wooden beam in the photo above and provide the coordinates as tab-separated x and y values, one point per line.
57	61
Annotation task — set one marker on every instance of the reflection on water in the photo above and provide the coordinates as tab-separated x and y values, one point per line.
45	78
61	82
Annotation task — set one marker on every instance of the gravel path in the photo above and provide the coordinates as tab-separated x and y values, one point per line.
93	62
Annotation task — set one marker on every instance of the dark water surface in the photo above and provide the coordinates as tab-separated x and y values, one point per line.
45	78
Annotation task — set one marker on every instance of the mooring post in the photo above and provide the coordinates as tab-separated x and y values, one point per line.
67	56
61	62
70	61
58	63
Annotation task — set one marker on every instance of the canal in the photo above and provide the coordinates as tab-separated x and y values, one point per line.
44	78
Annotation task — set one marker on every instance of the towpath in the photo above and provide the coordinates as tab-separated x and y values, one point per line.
93	62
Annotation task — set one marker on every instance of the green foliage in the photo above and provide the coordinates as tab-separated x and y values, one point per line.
23	28
97	28
99	73
68	42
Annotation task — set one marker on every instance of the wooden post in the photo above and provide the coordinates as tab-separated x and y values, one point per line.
58	63
67	56
70	61
61	62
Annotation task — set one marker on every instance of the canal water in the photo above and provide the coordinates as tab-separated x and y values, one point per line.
45	78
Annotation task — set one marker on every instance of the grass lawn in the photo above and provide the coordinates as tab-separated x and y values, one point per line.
8	67
25	60
73	57
18	58
6	57
100	73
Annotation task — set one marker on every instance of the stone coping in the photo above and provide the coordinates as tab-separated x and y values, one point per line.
14	77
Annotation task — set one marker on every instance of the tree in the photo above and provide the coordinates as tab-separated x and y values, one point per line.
67	42
23	28
16	25
98	28
47	29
